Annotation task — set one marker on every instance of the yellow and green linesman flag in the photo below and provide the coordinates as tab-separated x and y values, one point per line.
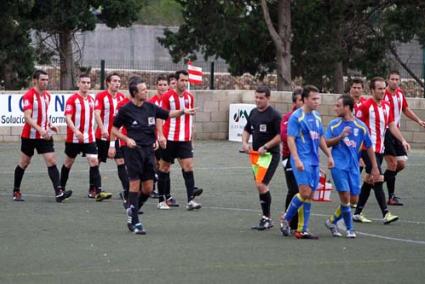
259	164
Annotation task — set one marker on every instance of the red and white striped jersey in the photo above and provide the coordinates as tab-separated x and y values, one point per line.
108	108
397	103
39	104
123	129
82	115
356	105
156	100
178	128
377	118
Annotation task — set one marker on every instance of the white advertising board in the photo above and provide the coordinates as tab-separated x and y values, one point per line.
238	113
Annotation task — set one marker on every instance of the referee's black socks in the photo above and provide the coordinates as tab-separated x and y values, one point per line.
189	181
163	183
265	202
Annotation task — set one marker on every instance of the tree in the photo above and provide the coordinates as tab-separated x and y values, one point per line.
62	19
233	30
16	53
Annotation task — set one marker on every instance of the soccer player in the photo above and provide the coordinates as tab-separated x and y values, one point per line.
346	135
139	119
291	183
263	123
356	92
376	114
105	109
37	135
79	114
305	136
172	81
161	89
394	154
178	132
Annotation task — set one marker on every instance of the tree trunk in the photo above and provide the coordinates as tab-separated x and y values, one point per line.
66	60
282	41
339	78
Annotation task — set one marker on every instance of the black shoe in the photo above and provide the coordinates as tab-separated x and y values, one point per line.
154	194
63	195
172	202
17	196
394	201
197	191
265	224
132	219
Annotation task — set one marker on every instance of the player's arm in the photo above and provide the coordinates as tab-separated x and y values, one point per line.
270	144
412	115
294	153
74	129
332	141
180	112
33	123
397	134
130	142
162	141
99	122
327	152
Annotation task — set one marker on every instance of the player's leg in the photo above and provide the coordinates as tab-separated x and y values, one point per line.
365	191
292	186
395	157
71	152
27	151
164	182
134	163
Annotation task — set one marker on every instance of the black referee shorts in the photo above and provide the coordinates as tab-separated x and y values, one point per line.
177	149
139	162
42	146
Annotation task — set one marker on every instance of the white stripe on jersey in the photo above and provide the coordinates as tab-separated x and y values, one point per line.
398	100
182	120
382	126
106	112
173	120
86	121
35	114
43	123
77	121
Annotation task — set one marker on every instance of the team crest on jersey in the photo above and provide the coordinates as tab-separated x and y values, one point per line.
317	123
356	132
68	107
359	113
151	120
263	127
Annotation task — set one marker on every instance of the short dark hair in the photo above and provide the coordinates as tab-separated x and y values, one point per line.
37	73
161	78
357	81
184	72
307	90
109	77
393	72
297	92
170	77
263	89
132	85
373	82
347	100
84	75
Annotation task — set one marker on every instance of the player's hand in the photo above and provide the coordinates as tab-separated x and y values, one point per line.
406	145
44	134
331	162
375	174
162	142
421	123
345	132
130	143
111	152
190	111
105	133
361	163
246	147
299	165
79	135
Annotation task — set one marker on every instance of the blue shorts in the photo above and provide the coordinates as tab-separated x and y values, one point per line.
309	176
346	180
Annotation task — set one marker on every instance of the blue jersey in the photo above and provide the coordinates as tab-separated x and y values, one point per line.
307	129
346	153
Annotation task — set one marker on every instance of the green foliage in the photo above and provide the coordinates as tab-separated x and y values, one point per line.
16	53
161	12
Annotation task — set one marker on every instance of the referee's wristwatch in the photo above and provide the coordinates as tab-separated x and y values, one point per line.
265	147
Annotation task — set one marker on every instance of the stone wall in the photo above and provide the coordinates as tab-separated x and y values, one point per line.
212	118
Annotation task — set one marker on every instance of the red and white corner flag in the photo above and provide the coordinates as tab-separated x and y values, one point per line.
195	74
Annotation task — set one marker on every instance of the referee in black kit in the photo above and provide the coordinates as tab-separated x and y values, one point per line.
263	124
139	117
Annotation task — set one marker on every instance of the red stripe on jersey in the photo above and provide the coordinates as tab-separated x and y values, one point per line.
108	108
397	102
39	105
82	115
156	100
377	118
123	130
178	128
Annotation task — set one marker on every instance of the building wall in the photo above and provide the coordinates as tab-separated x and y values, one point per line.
212	118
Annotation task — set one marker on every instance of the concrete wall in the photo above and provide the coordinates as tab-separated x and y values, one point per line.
212	118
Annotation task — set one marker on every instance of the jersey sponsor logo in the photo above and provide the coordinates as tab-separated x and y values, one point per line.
356	132
151	120
314	135
263	127
350	143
